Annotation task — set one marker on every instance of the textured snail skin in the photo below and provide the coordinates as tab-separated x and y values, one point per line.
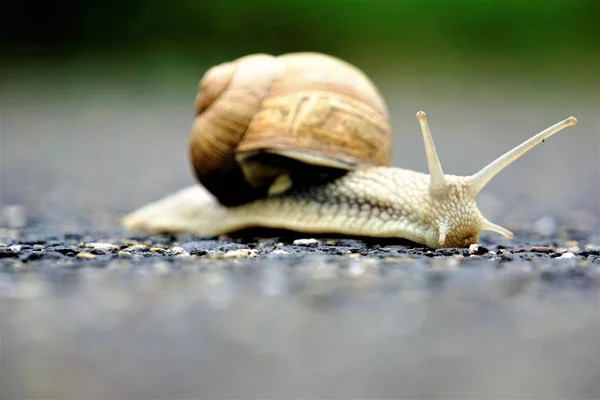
375	202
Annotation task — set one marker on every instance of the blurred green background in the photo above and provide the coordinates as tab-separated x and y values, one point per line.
97	97
527	36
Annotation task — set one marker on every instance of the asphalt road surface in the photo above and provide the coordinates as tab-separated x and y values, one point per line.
90	311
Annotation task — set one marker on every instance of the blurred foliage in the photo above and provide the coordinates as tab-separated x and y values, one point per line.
526	32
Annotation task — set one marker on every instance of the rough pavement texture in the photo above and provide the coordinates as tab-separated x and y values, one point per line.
164	317
89	311
31	252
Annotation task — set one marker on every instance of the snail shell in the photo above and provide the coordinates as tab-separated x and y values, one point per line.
266	122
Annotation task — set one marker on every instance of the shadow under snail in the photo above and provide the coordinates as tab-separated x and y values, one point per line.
302	142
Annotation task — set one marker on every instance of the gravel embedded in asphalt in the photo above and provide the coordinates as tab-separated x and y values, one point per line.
116	316
80	249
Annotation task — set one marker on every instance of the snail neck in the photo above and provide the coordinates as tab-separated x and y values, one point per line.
375	202
434	212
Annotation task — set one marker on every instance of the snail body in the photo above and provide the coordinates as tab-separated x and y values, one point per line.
303	142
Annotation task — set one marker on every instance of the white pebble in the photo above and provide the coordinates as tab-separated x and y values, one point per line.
101	246
85	255
567	255
305	242
241	253
474	248
15	248
178	250
279	251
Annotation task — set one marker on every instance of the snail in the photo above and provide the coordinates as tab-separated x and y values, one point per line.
302	142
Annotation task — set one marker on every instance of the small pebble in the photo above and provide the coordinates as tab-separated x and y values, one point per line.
474	248
124	253
542	249
15	248
279	251
85	255
567	255
157	250
102	246
305	242
178	250
241	253
38	247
